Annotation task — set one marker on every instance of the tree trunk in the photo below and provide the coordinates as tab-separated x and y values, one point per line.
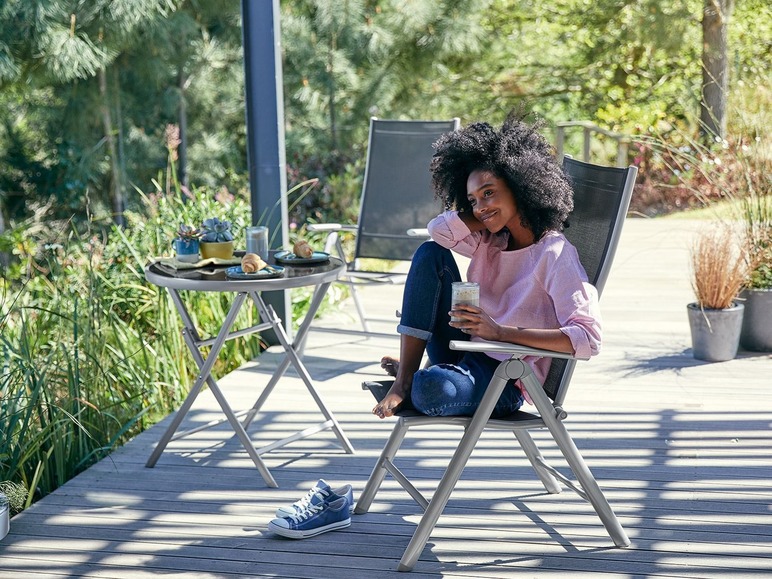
715	67
116	196
331	88
182	150
5	257
119	126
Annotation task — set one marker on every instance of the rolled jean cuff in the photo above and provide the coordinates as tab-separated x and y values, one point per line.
414	332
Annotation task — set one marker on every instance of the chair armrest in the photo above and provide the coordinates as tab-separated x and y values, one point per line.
330	227
515	350
418	232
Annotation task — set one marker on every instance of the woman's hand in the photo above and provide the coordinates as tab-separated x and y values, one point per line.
471	221
475	322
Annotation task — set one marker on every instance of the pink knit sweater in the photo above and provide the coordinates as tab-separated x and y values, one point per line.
540	286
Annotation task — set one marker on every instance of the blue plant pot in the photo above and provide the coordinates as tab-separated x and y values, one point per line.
187	250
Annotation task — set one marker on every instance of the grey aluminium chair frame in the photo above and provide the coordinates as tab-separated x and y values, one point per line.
598	190
397	196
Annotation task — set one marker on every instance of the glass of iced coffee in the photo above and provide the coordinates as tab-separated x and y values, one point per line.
464	293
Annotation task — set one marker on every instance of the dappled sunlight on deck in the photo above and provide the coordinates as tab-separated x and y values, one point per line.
682	450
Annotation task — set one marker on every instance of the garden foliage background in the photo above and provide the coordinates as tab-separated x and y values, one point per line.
100	100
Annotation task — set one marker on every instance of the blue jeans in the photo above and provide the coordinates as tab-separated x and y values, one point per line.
455	382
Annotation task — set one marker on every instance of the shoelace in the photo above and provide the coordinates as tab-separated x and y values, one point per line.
306	513
305	502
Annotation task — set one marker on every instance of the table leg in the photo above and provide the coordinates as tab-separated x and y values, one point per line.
298	344
316	301
292	357
205	369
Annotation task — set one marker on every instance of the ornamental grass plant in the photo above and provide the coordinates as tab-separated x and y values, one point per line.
77	376
718	269
90	353
680	171
757	217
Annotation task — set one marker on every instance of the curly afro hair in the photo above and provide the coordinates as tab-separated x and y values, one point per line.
518	154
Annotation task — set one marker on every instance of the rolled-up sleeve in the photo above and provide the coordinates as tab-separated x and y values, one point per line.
574	298
577	312
451	232
580	320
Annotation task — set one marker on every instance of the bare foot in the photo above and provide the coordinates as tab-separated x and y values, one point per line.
390	365
392	401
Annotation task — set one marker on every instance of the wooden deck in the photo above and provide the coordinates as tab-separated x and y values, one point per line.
683	450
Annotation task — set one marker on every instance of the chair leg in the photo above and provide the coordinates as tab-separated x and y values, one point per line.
333	243
360	308
508	369
379	472
590	485
576	462
536	459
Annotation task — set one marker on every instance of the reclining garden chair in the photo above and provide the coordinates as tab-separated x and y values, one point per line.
602	196
397	196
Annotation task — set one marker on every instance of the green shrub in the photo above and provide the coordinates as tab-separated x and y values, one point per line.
90	353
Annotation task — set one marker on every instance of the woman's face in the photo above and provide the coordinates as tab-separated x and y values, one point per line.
492	201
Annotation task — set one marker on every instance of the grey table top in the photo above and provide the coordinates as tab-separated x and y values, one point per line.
214	279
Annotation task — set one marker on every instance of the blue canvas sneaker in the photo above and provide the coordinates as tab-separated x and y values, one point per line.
315	520
317	495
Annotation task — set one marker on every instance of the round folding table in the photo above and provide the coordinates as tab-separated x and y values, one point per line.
214	279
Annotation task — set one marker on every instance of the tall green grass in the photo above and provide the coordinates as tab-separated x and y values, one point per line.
90	353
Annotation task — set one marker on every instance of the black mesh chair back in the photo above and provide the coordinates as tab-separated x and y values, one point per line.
601	198
397	193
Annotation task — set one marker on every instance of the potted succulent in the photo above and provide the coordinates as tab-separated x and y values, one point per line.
756	332
718	273
186	244
216	239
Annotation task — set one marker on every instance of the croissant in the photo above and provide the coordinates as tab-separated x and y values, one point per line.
302	249
252	263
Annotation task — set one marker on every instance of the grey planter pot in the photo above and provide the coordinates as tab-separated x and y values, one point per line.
756	332
715	333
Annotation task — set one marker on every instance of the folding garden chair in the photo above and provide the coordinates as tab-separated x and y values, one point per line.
397	196
602	196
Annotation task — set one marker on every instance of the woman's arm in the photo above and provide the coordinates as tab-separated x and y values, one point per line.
576	328
476	322
456	231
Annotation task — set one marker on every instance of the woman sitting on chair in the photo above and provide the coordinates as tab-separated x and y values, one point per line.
508	201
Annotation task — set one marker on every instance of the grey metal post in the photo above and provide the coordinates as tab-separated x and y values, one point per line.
560	143
622	152
266	158
587	136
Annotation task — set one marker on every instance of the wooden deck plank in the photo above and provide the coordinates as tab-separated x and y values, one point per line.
703	532
682	449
